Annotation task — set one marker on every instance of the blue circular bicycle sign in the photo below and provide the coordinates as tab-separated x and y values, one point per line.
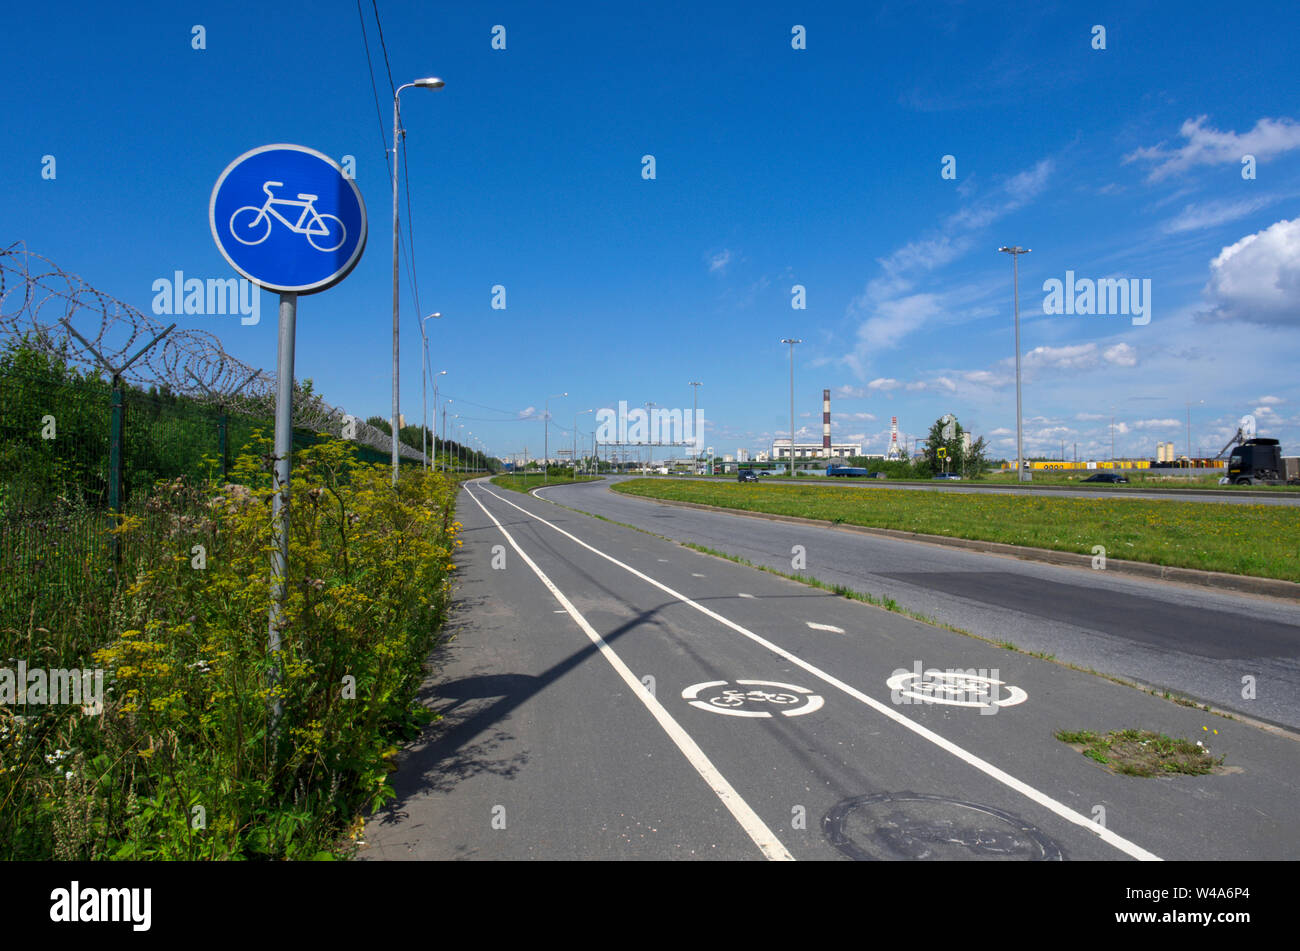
287	218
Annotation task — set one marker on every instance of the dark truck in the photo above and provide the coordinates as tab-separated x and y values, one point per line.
1259	461
846	471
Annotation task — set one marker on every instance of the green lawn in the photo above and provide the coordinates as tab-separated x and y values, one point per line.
1258	540
526	483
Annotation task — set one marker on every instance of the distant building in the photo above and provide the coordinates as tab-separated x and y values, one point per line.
763	456
812	450
742	455
728	458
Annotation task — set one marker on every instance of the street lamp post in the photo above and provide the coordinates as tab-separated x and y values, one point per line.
574	460
455	426
430	82
546	432
435	412
1015	253
695	428
791	341
649	449
424	389
1112	437
444	433
1189	430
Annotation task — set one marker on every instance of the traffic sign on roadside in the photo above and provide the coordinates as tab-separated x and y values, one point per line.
288	218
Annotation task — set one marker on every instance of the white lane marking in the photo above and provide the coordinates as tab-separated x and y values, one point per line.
1029	792
664	560
696	574
754	827
743	595
825	627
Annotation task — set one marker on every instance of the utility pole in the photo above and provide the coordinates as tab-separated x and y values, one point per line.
649	406
791	341
1015	253
546	435
695	428
429	82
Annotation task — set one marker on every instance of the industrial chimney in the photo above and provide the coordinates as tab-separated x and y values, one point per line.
826	423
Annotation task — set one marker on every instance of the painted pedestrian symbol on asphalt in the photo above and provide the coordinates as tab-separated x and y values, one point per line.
752	698
288	218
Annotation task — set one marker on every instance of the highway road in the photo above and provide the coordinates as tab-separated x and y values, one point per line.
611	694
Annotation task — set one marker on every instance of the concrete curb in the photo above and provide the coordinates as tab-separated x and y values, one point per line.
1244	584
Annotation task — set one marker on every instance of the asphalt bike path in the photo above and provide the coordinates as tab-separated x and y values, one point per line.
644	700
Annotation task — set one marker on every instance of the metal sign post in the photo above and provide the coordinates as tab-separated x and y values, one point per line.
289	219
280	501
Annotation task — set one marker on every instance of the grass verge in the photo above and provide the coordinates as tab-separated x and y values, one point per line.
523	483
1142	753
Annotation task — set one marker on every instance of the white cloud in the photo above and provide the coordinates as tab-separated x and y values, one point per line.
1073	357
1089	417
1214	213
1270	400
1120	355
986	378
529	413
1257	279
889	308
894	319
848	392
883	383
720	261
1209	146
1156	424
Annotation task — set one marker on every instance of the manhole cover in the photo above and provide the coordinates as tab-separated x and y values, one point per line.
918	828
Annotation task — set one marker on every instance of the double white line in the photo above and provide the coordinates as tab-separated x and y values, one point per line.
757	830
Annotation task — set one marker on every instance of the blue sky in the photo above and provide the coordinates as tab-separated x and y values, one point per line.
774	167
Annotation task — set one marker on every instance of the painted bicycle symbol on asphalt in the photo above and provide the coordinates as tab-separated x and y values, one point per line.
252	225
752	700
737	698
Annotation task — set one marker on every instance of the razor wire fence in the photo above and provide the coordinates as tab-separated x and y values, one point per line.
100	407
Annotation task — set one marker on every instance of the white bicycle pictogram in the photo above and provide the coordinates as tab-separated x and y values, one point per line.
310	222
752	698
736	698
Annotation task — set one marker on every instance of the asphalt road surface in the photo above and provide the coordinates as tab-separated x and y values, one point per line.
610	694
1197	642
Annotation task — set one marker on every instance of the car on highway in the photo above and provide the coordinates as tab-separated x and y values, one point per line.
1114	478
747	475
952	476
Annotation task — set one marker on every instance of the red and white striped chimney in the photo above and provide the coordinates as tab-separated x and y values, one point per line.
826	422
